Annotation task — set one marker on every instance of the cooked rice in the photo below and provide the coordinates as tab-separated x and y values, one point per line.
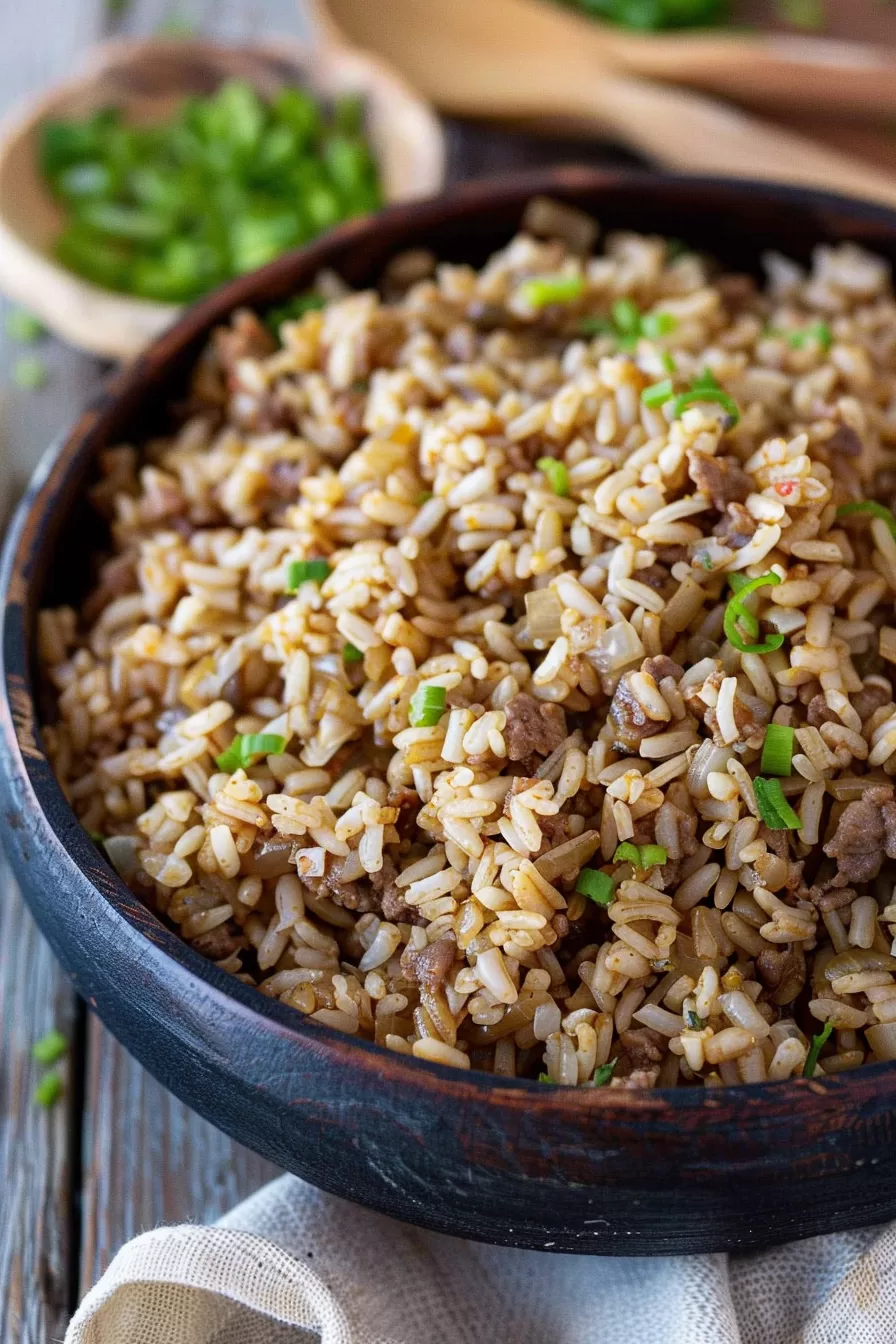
417	885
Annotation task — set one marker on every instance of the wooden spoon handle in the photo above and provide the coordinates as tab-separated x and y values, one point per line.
684	131
773	72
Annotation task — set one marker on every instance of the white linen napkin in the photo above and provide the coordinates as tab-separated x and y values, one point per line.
292	1265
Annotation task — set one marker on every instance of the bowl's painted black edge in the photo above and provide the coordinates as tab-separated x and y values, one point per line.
325	1070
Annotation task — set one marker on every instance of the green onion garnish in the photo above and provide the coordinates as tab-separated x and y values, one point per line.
604	1072
668	362
427	706
871	508
558	476
626	317
351	655
777	750
658	394
545	1078
542	290
656	325
774	808
29	373
48	1090
641	856
247	748
695	1021
597	886
819	332
23	326
815	1050
305	571
50	1047
706	388
423	496
627	853
737	615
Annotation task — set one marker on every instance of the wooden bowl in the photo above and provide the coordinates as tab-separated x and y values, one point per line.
508	1161
148	78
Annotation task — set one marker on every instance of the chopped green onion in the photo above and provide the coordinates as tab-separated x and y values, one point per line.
668	362
774	808
627	853
423	496
305	571
604	1072
23	326
542	290
819	332
706	388
29	373
48	1090
736	582
652	856
815	1050
558	476
545	1078
597	886
245	750
872	509
658	394
596	326
656	325
736	615
777	750
351	655
50	1047
427	706
695	1021
626	317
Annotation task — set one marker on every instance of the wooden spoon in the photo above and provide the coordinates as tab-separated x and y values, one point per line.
770	71
519	58
147	79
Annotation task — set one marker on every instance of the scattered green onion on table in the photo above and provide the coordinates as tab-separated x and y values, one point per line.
169	211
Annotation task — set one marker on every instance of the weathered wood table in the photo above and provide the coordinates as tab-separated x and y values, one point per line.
117	1154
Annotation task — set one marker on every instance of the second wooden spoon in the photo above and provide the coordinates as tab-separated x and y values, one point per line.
519	58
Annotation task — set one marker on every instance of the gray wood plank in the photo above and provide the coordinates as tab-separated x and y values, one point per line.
37	1273
148	1159
35	1144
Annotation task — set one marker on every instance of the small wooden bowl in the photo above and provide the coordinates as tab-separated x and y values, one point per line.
599	1171
148	79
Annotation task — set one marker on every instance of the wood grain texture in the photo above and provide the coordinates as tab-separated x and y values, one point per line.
148	1159
36	1267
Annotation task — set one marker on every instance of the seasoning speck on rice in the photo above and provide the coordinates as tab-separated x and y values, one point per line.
503	672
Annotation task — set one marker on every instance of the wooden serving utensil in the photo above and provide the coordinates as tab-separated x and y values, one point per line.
771	71
147	79
524	59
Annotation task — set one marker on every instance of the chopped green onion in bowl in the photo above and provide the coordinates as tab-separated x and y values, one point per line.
427	706
604	1072
815	1050
777	750
247	748
597	886
170	210
869	508
774	808
305	571
542	290
557	474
